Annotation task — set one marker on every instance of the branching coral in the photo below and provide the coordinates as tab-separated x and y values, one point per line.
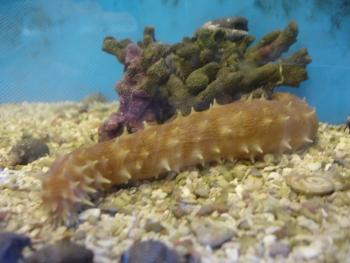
215	63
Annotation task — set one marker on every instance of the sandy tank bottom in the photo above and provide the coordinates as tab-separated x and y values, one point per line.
227	212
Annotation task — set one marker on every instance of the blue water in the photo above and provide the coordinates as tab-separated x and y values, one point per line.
50	50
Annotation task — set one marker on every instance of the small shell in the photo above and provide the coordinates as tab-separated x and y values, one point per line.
27	151
310	184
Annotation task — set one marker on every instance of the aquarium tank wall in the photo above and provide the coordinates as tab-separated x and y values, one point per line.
51	50
179	131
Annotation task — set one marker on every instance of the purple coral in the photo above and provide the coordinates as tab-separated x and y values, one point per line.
132	53
132	112
137	96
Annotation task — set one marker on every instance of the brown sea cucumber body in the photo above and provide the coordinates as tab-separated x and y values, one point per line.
243	129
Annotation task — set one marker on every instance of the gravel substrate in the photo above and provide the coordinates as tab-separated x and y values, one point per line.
227	212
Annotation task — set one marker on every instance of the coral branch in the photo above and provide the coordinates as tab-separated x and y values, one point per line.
215	63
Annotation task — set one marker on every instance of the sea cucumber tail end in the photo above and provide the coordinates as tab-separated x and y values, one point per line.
67	184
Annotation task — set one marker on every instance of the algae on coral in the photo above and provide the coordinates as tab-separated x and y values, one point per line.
216	63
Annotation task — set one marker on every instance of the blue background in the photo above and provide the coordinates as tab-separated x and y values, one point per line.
50	50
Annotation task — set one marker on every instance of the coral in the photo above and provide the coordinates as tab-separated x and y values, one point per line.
139	96
216	63
112	46
27	151
347	123
243	129
62	251
199	79
149	252
11	246
271	47
131	113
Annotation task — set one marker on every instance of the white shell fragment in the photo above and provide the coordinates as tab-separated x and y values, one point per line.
92	212
310	184
314	166
211	233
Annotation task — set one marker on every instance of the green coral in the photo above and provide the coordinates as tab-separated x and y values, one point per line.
271	47
158	72
219	89
184	99
179	94
151	54
199	79
112	46
148	36
210	66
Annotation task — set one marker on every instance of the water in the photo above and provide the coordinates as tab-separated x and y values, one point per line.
51	50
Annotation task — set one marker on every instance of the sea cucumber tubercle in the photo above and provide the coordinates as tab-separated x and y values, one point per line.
243	129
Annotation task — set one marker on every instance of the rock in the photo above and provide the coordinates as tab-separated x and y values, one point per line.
92	212
149	252
213	234
307	252
11	246
269	158
80	234
247	241
314	166
343	163
340	155
244	225
274	176
155	227
222	182
62	252
201	191
239	174
279	248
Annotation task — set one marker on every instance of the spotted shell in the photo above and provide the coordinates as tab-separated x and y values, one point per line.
309	184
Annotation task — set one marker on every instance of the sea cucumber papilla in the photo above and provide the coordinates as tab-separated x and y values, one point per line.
243	129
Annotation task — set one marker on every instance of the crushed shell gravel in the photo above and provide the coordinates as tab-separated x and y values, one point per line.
250	211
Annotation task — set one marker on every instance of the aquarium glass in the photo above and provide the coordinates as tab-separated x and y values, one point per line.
174	130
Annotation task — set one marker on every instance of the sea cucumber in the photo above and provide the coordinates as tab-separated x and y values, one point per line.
243	129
